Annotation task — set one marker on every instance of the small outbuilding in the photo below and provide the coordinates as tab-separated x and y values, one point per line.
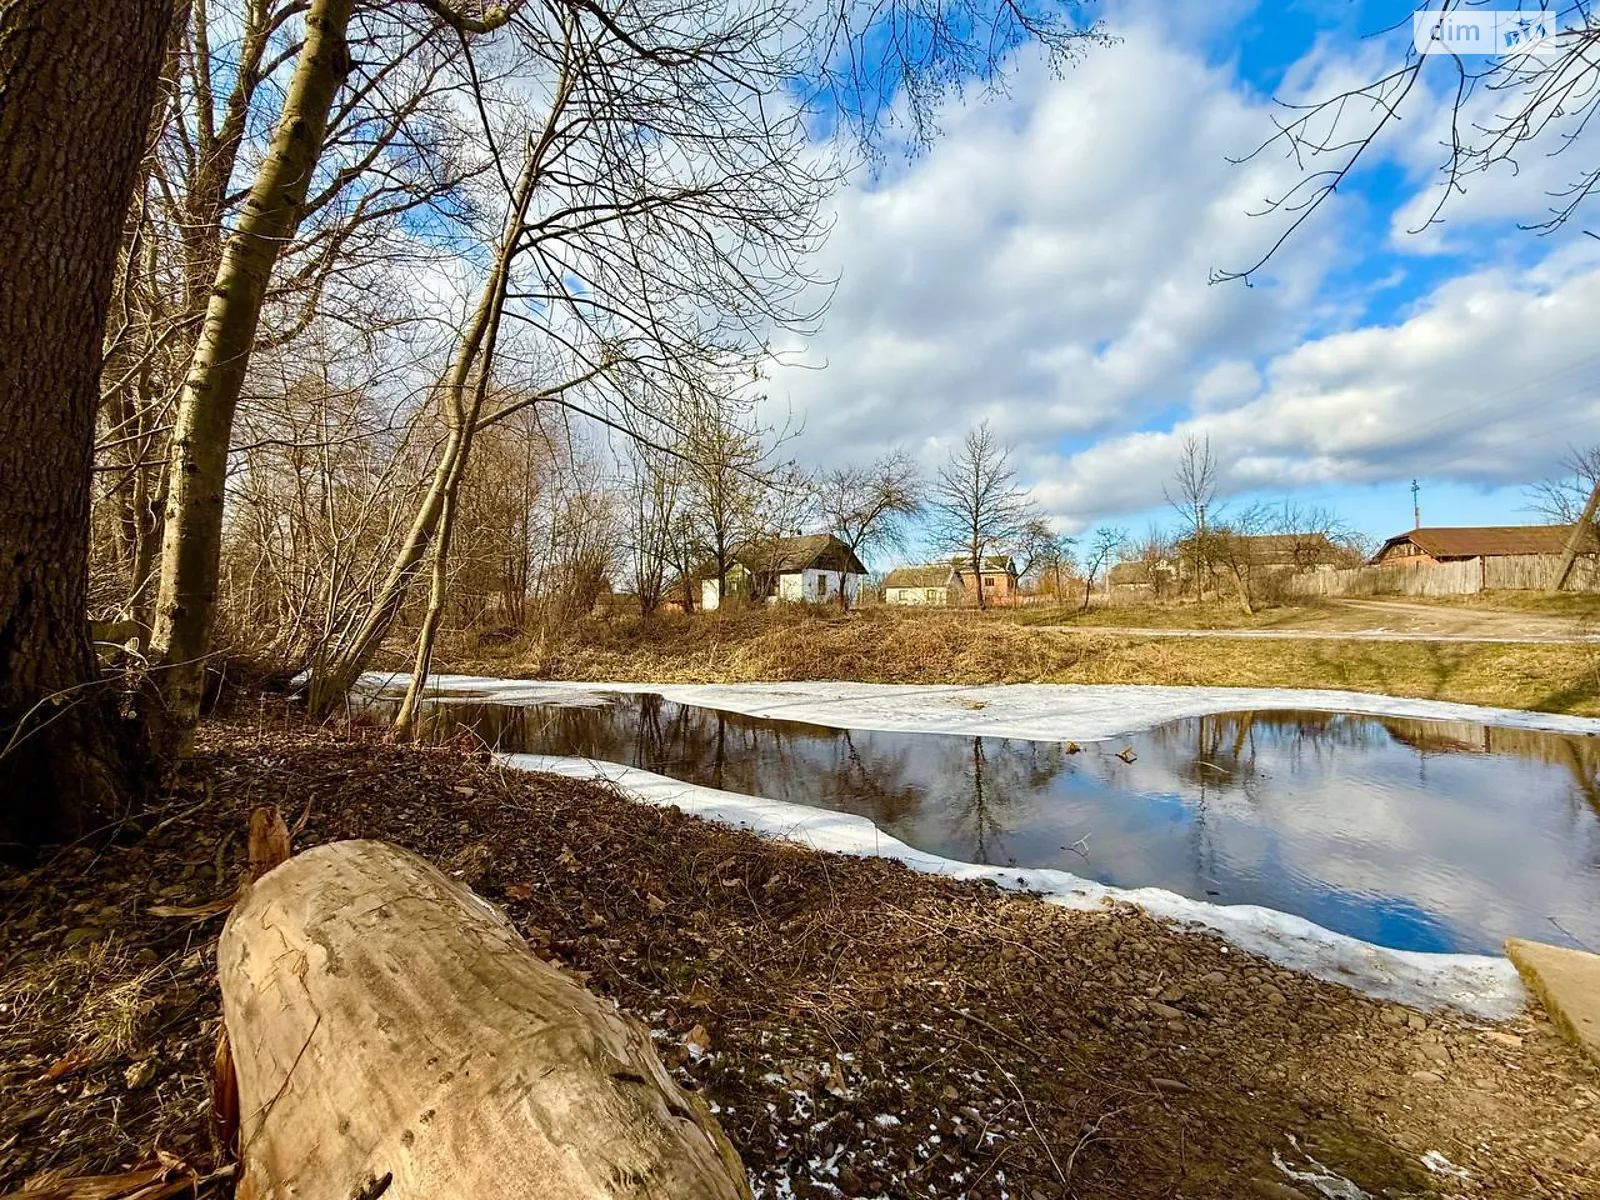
998	579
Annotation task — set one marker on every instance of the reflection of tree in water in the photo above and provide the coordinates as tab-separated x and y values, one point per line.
981	783
1223	754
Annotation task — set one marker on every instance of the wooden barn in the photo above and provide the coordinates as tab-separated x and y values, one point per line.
1457	544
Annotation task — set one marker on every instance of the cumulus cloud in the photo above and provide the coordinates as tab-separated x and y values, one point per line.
1045	264
1486	383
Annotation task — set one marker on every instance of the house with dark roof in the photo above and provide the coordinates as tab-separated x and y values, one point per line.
932	585
1440	545
813	568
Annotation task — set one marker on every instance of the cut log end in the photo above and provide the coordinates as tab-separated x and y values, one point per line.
386	1022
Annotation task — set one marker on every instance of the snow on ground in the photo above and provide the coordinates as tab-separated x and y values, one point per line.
1484	985
1037	711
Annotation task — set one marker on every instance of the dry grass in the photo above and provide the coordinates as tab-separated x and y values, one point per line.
1211	614
95	997
893	646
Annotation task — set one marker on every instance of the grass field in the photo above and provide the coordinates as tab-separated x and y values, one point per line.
891	646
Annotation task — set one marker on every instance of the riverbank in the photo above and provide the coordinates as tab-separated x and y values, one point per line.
882	645
863	1030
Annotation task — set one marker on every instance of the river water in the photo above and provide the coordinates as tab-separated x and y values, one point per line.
1420	835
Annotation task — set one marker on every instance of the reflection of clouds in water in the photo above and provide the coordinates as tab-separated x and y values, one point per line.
1496	840
1428	834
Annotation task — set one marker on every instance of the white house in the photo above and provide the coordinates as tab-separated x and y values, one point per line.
931	586
809	569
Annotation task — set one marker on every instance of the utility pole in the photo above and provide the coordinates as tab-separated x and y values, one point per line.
1569	556
1416	506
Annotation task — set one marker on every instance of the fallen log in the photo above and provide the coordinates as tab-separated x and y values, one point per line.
393	1036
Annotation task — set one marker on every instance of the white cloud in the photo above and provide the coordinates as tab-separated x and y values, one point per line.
1046	264
1487	382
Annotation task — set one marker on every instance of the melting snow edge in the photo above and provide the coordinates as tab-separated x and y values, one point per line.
1482	985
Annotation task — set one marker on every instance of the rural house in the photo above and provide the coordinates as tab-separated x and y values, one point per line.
1425	546
998	579
1271	551
814	567
932	585
1136	579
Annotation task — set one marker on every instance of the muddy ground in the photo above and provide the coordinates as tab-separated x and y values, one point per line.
860	1030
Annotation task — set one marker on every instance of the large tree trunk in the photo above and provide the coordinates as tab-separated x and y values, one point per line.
392	1034
77	82
191	550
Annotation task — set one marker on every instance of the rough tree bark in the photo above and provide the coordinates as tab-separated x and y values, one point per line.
77	82
393	1034
191	548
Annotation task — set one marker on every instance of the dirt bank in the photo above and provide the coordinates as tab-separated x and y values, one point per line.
863	1030
883	645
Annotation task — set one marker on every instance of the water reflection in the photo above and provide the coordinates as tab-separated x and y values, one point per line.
1418	834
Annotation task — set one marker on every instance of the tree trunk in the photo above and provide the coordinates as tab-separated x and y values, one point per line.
191	550
405	719
77	82
393	1034
474	357
1243	585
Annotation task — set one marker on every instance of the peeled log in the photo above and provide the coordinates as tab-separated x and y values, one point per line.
386	1022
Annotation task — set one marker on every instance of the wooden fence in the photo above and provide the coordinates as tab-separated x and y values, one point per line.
1513	572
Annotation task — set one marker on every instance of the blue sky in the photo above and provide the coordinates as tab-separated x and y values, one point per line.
1045	266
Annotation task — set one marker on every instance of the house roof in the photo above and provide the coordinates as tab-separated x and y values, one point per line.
785	555
1478	541
991	562
1290	549
928	576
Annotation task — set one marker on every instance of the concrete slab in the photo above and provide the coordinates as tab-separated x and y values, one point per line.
1568	982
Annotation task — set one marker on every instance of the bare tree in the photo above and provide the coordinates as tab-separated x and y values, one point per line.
1192	495
1104	546
1155	555
1241	547
869	508
1039	549
1535	99
1572	499
975	505
652	489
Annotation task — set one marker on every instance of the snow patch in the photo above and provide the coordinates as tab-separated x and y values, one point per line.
1032	711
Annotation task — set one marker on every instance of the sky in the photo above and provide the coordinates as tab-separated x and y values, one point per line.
1046	265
